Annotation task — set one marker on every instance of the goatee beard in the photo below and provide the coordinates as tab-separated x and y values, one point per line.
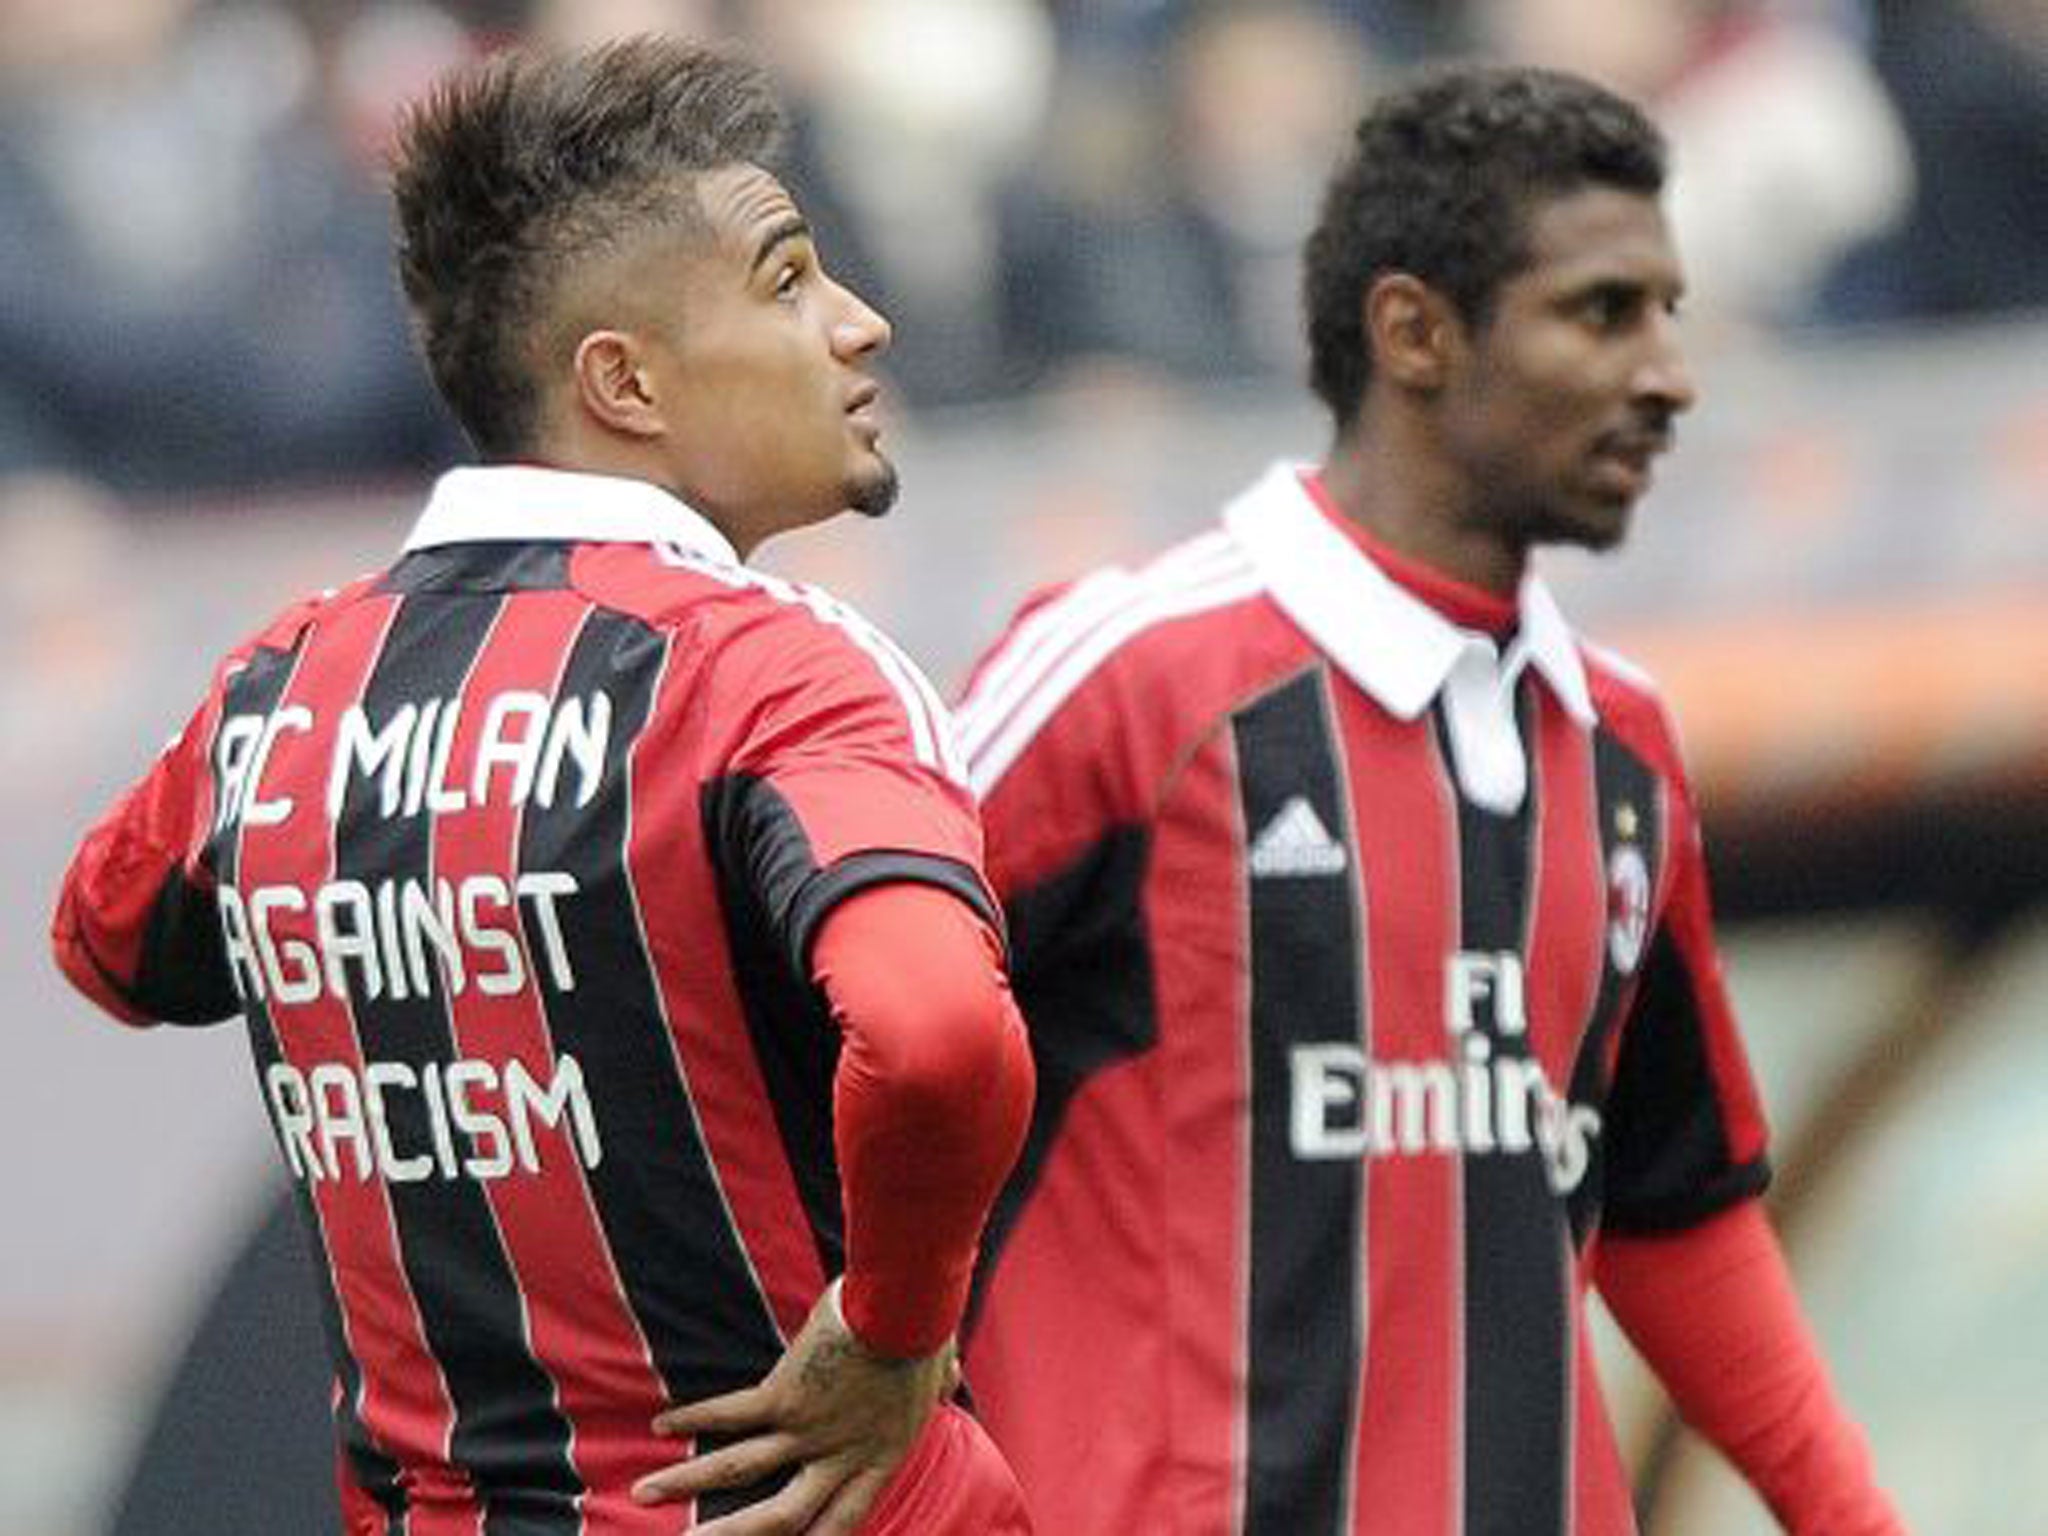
874	495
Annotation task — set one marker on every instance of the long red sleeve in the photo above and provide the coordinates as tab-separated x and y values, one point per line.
1713	1311
930	1105
134	927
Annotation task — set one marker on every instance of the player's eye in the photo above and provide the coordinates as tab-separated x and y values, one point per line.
1611	306
788	279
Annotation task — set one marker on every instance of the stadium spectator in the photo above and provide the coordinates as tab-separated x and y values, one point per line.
607	917
1776	119
1361	924
592	23
195	289
907	115
1970	78
1155	229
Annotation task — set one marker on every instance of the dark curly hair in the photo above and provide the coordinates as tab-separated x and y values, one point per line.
509	172
1439	183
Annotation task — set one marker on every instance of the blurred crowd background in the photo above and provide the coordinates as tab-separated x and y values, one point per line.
1042	193
1083	217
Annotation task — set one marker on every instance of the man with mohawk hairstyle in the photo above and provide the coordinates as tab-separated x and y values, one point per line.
607	916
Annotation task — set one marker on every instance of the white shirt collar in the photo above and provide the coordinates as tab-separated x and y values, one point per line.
1394	645
524	502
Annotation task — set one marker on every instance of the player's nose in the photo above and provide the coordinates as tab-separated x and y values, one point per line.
1663	375
859	329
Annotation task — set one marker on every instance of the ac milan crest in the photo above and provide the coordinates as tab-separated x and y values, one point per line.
1628	907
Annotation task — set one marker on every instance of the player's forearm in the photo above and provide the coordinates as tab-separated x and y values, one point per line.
1713	1310
931	1102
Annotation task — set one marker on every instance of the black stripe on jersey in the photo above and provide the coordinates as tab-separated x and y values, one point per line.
857	872
1631	818
1668	1163
684	1271
763	863
508	1431
1302	1329
1516	1309
761	849
683	1268
183	977
482	569
1081	971
256	690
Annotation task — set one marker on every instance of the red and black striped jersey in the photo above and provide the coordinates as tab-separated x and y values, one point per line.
511	856
1370	975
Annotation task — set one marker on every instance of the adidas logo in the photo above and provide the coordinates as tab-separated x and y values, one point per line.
1295	842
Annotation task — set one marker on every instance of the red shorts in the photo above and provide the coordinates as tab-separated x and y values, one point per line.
954	1483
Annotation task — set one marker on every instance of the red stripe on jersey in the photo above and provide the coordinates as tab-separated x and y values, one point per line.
1049	1319
1410	1477
579	1328
404	1403
282	633
1202	1053
1600	1490
1565	960
673	879
1567	893
1113	1327
674	885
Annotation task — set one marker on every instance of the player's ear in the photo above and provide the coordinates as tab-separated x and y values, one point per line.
1412	330
616	386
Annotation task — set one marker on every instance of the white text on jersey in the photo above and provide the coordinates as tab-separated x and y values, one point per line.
334	1122
1344	1103
396	936
524	749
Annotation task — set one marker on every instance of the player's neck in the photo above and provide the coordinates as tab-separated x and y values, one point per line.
574	446
1395	500
1467	606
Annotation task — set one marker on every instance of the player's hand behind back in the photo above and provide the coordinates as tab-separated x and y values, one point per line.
842	1415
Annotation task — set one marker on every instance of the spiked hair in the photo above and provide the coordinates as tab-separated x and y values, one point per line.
510	172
